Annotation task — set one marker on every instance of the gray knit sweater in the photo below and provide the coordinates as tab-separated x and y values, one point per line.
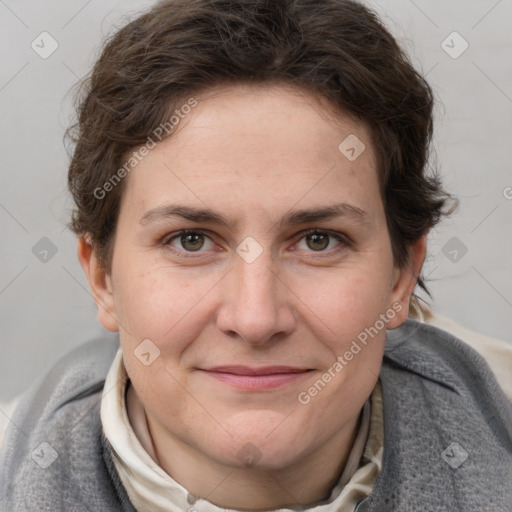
447	433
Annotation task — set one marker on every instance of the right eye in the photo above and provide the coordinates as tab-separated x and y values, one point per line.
188	241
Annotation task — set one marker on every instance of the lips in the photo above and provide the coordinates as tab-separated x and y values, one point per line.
252	379
267	370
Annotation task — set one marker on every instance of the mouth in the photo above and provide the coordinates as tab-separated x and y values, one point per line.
257	379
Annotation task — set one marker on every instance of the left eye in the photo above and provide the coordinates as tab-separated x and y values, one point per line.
319	241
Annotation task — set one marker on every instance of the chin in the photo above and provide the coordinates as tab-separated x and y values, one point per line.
269	458
265	450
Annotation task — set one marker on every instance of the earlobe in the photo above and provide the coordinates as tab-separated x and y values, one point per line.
100	283
405	282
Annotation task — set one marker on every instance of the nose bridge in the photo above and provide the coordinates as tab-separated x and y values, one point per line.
256	280
257	308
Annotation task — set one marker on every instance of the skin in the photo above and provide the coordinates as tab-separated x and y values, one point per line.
252	154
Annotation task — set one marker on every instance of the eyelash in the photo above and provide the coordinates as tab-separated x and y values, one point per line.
344	241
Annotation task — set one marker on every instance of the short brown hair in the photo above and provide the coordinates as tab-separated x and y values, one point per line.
336	49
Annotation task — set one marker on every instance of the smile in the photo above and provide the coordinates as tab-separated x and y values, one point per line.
256	380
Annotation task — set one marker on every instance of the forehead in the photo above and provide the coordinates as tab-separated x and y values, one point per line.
251	141
284	117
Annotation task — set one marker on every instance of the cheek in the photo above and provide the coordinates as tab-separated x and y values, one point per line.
347	299
351	308
152	302
346	310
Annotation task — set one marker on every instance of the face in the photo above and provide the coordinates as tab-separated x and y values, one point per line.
249	239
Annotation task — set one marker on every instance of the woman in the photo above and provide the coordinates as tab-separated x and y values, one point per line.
252	206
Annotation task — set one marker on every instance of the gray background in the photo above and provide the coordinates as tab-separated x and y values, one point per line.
45	306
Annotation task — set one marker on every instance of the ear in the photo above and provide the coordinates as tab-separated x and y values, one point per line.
405	280
100	284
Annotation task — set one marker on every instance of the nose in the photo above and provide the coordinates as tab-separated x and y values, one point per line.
257	306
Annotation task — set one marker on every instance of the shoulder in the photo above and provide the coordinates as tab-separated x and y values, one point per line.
56	426
443	409
79	373
443	361
497	353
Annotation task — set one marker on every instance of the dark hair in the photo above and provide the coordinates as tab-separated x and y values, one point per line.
338	50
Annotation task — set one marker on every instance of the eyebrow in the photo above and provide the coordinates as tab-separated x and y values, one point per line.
304	216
